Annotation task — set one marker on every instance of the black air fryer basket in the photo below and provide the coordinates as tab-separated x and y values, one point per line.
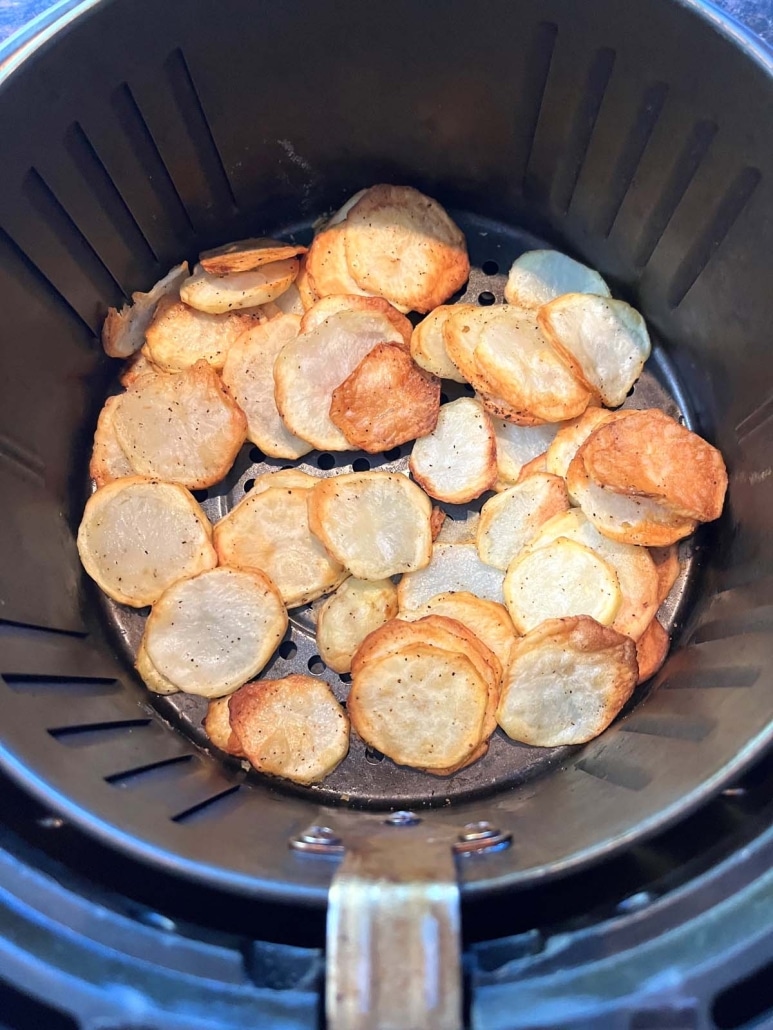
634	136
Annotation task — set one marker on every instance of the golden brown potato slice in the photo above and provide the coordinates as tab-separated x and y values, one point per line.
108	461
558	580
289	477
509	520
217	294
182	428
452	567
387	400
605	342
651	650
150	675
138	536
489	621
436	520
292	727
180	336
331	305
519	446
249	375
327	268
310	367
402	245
217	726
210	634
138	365
428	346
461	330
459	531
667	567
123	332
568	680
305	286
457	461
537	466
269	530
421	706
572	436
377	524
648	454
244	255
288	303
356	609
499	408
539	276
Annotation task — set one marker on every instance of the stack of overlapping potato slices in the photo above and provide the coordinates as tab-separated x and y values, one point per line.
537	615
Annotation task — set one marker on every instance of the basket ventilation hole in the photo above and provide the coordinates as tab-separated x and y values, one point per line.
490	267
393	454
316	665
200	495
486	299
288	650
361	465
325	461
256	454
248	485
373	756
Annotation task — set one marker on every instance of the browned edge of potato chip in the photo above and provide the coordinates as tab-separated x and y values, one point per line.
244	255
651	650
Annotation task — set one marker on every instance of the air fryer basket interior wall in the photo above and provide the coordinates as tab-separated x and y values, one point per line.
633	135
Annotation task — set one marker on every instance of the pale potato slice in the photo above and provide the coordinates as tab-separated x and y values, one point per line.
289	477
537	466
457	461
459	531
305	286
649	454
561	579
572	436
461	330
217	726
292	727
349	615
667	567
568	680
651	650
269	530
377	524
331	305
386	401
326	266
489	621
539	276
605	342
138	365
428	347
342	212
309	368
288	303
452	567
422	706
636	572
518	446
244	255
138	536
216	294
210	634
123	332
108	461
249	375
436	520
179	336
182	428
509	520
403	246
150	675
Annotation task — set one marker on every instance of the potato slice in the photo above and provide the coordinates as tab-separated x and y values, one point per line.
138	536
289	477
182	428
304	286
180	336
649	454
461	530
421	706
309	368
217	726
457	461
667	567
489	621
288	303
108	461
386	401
605	342
377	524
452	567
461	331
356	609
497	407
217	294
651	650
269	530
244	255
518	446
436	520
327	306
292	727
568	680
123	332
539	276
403	246
138	365
537	466
150	675
509	520
326	266
572	436
428	347
249	375
561	579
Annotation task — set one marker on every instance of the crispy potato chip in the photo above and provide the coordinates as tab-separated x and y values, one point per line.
452	567
217	294
459	530
244	255
108	461
457	461
402	245
519	446
480	751
356	609
499	408
138	365
667	567
342	212
421	706
428	346
387	400
288	477
217	726
292	727
249	375
123	332
648	454
377	524
539	276
509	520
326	265
309	368
489	621
269	530
537	466
572	436
180	336
182	428
210	634
436	520
461	330
138	536
651	650
150	675
568	680
288	303
558	580
604	341
331	305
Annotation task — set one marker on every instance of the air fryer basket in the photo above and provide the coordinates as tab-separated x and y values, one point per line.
142	133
